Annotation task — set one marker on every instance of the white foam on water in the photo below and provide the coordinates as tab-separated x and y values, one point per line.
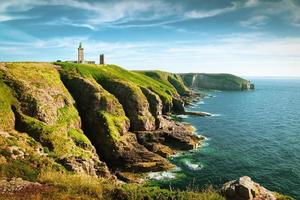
176	169
183	116
200	103
193	166
161	175
204	144
176	155
216	115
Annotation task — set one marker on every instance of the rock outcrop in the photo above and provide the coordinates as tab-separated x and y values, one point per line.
171	138
156	106
246	189
18	185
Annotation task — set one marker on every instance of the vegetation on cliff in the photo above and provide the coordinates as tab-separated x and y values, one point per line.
164	89
216	81
172	80
106	125
78	186
44	109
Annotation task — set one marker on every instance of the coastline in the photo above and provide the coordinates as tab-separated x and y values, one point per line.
178	118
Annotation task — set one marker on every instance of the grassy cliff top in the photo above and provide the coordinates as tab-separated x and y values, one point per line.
170	79
100	72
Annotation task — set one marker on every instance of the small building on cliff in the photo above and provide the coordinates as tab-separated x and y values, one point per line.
80	58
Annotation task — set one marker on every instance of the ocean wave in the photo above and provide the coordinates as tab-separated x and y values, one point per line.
193	166
161	175
216	115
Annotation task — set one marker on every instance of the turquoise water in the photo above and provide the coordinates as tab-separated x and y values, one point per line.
254	133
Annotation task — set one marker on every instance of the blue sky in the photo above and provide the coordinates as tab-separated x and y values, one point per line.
246	37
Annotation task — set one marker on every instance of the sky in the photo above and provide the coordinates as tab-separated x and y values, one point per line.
242	37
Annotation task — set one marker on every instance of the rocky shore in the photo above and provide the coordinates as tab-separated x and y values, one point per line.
89	121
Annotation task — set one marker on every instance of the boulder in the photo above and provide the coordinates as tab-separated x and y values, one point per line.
246	189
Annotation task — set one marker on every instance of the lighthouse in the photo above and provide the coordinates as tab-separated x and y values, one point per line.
80	54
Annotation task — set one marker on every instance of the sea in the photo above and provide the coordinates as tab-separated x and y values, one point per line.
251	133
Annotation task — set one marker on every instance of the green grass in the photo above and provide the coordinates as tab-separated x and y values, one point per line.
80	139
107	110
102	73
6	100
19	157
172	80
56	138
38	86
112	124
68	186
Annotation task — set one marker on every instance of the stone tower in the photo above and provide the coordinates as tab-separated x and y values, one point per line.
80	54
101	62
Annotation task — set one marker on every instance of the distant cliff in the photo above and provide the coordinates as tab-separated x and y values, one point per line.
216	81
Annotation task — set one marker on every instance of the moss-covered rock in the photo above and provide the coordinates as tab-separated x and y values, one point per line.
103	116
44	109
21	156
106	125
134	103
7	119
160	86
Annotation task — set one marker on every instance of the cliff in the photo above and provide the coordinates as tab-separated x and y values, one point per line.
90	119
216	81
63	124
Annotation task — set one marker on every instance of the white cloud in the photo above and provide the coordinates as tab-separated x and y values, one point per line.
288	10
68	22
199	14
251	3
100	12
255	22
241	54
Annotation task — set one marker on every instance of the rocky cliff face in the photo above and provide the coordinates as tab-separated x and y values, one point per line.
216	81
134	103
85	117
43	109
106	125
